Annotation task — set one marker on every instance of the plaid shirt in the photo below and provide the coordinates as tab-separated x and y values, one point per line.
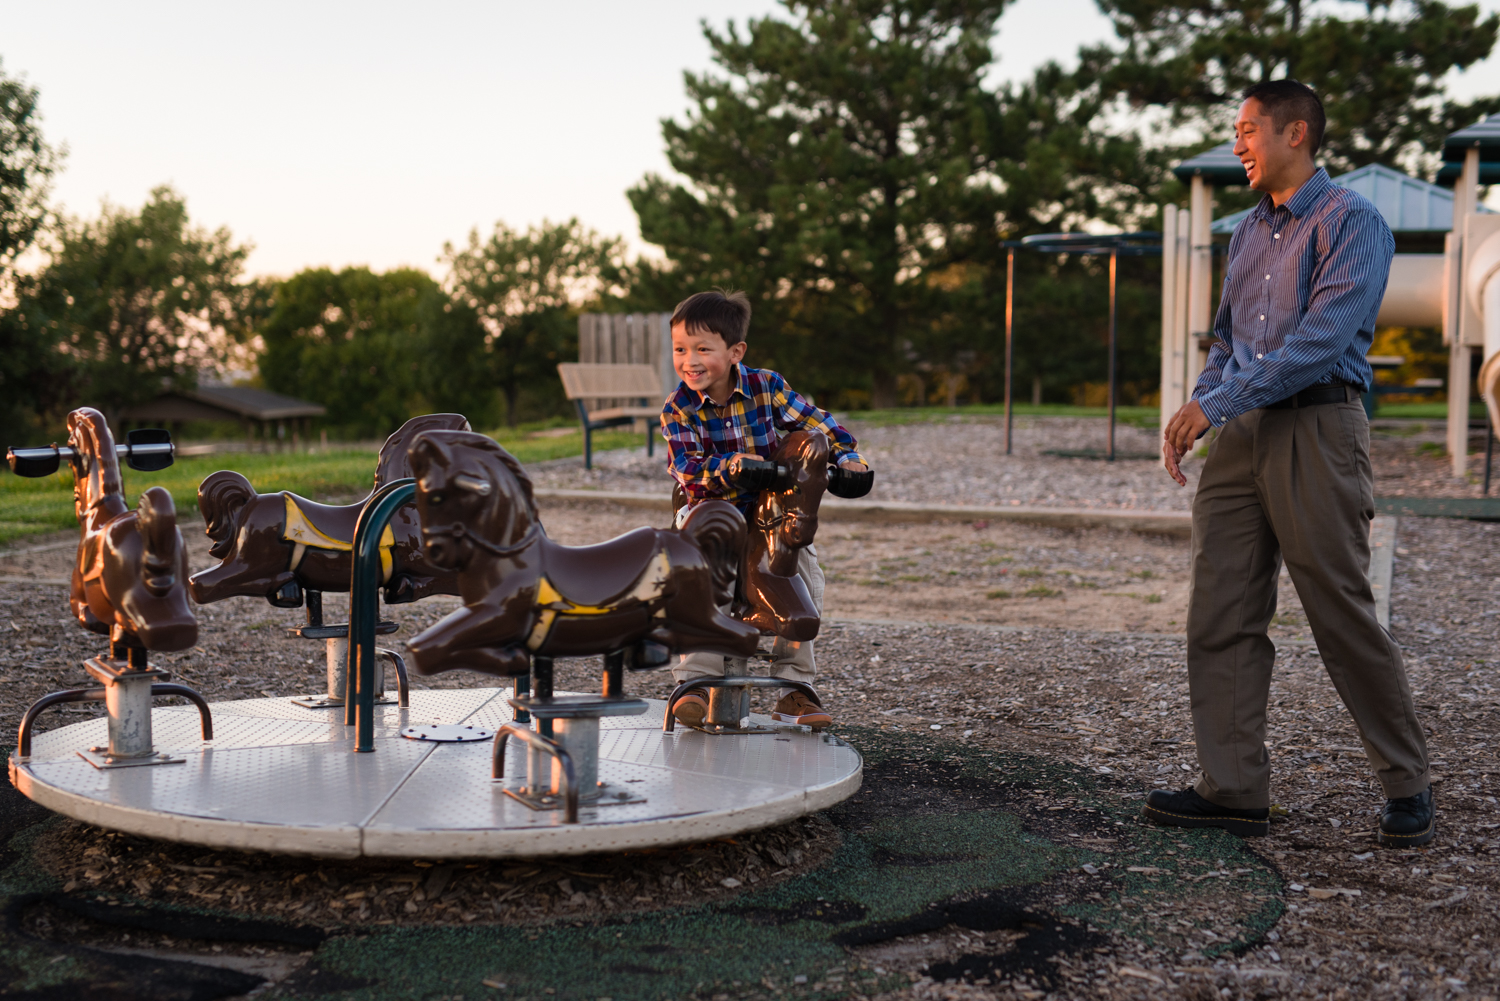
701	436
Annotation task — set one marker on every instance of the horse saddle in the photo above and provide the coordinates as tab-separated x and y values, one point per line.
594	579
597	580
310	525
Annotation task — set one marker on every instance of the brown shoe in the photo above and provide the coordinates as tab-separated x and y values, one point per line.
691	708
795	707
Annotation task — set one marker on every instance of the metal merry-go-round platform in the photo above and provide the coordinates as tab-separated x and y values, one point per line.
281	777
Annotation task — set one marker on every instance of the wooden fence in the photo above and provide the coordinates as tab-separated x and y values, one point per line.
628	338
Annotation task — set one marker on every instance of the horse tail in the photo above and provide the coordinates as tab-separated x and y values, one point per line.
220	498
718	530
156	519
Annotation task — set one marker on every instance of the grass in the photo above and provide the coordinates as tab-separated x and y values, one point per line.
32	507
1431	411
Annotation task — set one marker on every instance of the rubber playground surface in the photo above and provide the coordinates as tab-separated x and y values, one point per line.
975	865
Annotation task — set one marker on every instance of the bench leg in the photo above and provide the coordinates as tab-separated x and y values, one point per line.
650	440
588	446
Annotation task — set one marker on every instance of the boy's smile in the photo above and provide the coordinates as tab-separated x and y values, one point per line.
704	362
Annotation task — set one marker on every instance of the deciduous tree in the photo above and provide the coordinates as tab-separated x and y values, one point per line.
135	302
523	288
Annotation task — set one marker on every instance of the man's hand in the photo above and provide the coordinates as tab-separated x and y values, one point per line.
853	466
1181	432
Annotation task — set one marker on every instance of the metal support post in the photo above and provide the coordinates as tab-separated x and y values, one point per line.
364	607
1114	262
1010	299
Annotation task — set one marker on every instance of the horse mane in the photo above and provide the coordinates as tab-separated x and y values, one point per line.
393	463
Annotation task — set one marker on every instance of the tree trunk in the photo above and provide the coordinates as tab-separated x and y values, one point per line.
883	393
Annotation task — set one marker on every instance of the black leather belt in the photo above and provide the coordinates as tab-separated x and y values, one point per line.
1312	396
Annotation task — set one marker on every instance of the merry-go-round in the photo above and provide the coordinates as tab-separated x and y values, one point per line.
517	769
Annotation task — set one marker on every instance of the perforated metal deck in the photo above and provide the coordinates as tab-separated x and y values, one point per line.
279	777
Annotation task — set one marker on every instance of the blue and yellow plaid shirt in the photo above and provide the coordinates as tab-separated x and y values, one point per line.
762	408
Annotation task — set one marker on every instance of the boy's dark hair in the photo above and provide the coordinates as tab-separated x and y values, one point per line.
1288	101
724	311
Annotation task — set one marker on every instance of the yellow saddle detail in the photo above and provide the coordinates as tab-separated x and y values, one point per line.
299	530
551	603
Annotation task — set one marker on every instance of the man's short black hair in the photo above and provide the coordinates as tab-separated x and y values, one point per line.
724	311
1288	101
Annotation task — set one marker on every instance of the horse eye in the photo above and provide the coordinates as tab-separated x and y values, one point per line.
435	498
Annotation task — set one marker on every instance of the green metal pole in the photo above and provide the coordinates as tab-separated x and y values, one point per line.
364	608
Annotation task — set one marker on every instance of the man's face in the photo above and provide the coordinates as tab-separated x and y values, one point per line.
1270	158
703	361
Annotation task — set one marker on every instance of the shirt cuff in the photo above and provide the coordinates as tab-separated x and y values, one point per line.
1217	407
847	455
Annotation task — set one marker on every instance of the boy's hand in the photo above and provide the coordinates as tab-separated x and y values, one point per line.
853	466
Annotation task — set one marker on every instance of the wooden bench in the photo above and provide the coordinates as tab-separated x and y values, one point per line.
601	387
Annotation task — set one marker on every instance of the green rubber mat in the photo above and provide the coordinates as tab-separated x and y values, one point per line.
942	835
1471	508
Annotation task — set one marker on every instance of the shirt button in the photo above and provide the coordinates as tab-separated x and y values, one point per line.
1268	277
1275	236
1260	356
1262	316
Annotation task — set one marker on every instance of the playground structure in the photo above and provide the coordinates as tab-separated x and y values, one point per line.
597	772
1457	290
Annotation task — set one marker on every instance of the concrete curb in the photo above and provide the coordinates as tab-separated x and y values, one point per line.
1173	523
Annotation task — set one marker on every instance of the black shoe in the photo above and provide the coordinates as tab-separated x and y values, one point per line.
1408	821
1188	809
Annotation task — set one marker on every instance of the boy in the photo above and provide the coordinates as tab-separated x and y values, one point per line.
724	411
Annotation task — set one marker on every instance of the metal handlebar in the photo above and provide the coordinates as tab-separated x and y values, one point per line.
146	449
172	688
536	740
403	693
23	739
41	705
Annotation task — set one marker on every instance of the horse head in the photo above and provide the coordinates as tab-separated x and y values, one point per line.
96	468
789	512
471	495
143	578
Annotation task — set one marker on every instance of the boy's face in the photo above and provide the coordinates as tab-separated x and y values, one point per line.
703	361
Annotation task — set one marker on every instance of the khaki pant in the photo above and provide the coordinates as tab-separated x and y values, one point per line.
793	661
1291	485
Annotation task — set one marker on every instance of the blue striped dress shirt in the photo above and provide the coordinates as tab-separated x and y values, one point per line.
1301	291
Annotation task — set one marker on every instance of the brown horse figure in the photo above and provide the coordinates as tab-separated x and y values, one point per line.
525	594
130	580
784	521
278	545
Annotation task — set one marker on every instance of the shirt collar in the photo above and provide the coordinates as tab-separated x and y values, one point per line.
1311	192
737	388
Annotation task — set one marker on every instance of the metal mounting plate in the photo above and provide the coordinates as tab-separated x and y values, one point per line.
446	733
100	758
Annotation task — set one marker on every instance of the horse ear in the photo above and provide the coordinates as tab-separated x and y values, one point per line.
426	450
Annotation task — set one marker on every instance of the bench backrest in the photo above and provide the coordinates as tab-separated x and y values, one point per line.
590	381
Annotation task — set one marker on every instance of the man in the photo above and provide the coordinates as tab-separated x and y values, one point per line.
1288	478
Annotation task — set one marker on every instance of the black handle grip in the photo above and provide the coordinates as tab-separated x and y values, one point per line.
850	483
755	474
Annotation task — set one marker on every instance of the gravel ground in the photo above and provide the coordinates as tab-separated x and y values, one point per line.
1017	674
962	461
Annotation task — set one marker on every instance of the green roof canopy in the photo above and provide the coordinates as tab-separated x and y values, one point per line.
1218	166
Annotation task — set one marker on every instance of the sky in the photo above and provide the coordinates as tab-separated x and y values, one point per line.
373	133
